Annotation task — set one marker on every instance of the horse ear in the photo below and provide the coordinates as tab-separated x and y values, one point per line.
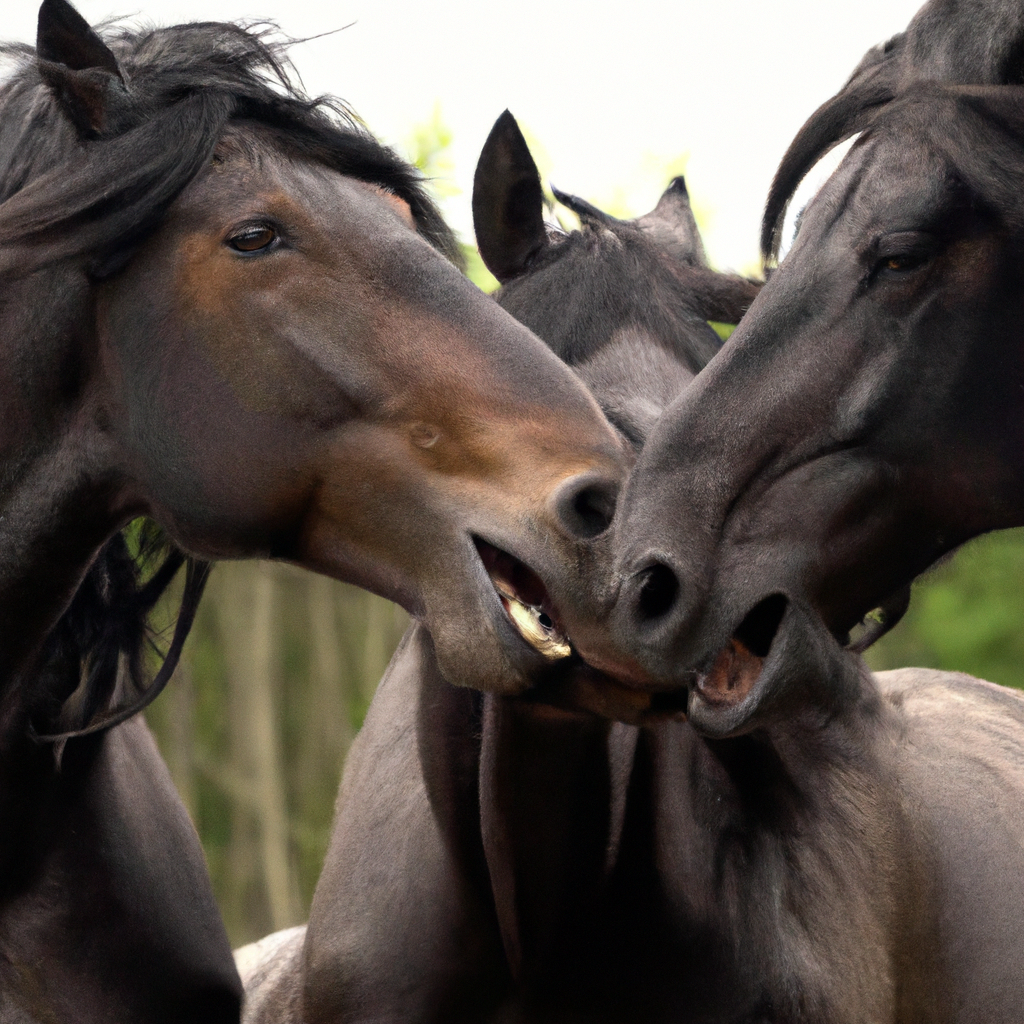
508	203
672	224
78	66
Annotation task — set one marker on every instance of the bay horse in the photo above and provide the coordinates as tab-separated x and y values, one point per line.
228	308
865	418
856	855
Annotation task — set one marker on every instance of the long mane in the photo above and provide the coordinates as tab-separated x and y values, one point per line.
64	200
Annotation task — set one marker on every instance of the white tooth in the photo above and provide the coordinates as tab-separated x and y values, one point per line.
526	618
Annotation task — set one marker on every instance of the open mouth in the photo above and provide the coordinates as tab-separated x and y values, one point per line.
738	665
526	602
570	684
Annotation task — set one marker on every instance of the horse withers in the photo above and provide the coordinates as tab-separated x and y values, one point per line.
856	855
865	417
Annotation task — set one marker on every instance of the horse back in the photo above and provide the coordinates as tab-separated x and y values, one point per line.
961	764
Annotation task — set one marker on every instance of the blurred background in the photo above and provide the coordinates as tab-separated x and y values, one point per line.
615	100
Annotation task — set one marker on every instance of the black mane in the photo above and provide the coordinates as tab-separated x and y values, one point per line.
99	646
576	303
61	197
65	199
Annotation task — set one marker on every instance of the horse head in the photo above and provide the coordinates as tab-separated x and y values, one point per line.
626	304
229	308
862	420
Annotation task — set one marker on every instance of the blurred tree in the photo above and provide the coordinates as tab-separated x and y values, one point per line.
275	681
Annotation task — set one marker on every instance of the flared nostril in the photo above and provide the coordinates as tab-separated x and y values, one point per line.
585	505
658	592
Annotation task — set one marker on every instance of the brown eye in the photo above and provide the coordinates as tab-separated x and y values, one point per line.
910	261
895	266
253	239
903	252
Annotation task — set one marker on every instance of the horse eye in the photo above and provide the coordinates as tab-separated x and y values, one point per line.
898	263
907	250
253	239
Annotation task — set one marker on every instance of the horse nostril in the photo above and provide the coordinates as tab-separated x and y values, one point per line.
658	592
585	505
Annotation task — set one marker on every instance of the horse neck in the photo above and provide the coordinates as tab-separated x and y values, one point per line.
552	801
57	496
575	811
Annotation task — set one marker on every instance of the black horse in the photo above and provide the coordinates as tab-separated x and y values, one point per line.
858	855
865	418
414	851
106	909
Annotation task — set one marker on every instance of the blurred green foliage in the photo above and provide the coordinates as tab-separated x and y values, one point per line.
429	148
966	615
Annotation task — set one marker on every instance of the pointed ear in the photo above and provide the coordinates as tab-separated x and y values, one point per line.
672	224
79	68
508	204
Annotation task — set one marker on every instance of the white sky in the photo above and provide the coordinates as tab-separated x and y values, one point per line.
608	89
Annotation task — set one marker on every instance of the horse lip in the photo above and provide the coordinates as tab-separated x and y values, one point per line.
575	686
525	601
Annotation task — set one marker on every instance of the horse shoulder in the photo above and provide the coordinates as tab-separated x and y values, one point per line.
401	921
117	920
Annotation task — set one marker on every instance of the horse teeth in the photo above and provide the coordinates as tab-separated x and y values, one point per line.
527	619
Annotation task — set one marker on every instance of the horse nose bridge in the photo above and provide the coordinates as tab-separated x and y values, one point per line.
584	504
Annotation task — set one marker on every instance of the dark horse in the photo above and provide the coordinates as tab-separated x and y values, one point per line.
625	303
227	307
858	856
106	911
866	417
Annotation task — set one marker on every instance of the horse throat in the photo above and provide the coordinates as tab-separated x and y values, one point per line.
59	496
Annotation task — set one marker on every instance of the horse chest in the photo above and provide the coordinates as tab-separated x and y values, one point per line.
706	899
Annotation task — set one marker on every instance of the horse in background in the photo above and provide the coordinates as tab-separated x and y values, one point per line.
415	914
